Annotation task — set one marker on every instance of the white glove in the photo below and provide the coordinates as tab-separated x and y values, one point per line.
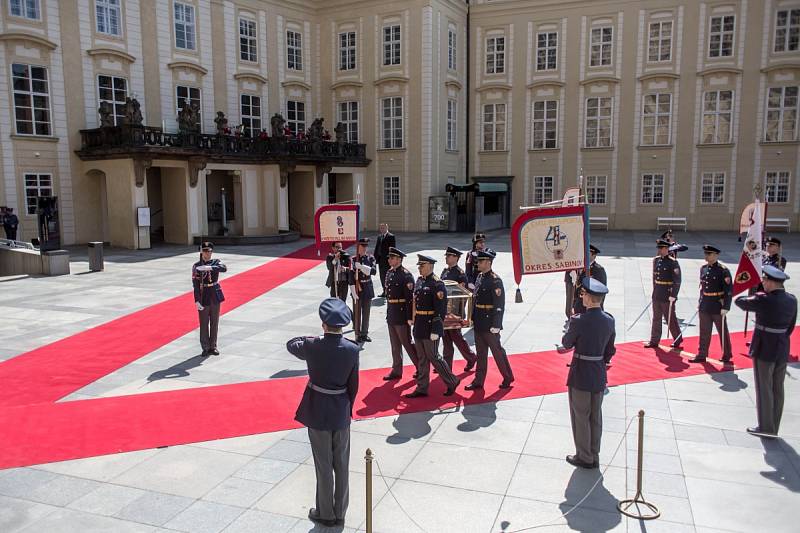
471	286
723	312
364	269
494	330
199	307
204	268
434	337
573	276
672	298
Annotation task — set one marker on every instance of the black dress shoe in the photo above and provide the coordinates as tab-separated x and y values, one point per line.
366	338
650	345
697	359
469	366
205	353
726	358
213	351
574	461
473	386
506	384
758	433
314	517
382	295
416	375
451	390
676	345
415	394
390	377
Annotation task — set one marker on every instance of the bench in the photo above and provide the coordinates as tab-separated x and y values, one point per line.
782	223
599	221
671	222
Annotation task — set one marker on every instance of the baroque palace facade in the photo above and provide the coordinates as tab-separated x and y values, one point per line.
672	108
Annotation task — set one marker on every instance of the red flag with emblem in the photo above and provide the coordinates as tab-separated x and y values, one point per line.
748	273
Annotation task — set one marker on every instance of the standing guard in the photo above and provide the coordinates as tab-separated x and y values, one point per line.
470	264
430	308
207	296
363	291
596	271
487	318
338	262
774	257
399	313
716	289
666	284
383	244
453	336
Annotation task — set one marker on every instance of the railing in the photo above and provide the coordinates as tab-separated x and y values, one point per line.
8	243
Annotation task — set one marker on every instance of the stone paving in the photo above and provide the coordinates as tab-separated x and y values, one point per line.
484	468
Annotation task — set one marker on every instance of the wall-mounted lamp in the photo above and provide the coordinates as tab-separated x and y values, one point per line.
36	154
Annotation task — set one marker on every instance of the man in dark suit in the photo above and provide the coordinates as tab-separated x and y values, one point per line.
383	243
327	408
208	296
10	224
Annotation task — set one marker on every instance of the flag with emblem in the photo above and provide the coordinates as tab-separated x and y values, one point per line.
748	273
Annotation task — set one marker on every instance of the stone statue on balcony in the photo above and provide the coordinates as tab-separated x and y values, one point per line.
189	118
316	130
133	112
106	112
341	132
277	123
222	123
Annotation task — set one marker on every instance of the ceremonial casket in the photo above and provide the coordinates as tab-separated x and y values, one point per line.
459	306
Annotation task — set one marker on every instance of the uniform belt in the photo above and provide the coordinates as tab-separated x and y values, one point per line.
398	301
663	282
484	306
771	330
323	390
208	284
713	293
426	312
588	357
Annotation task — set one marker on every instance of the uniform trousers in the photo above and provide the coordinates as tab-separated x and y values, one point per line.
569	290
769	393
428	354
361	311
400	337
451	337
484	341
706	320
331	451
209	322
586	415
383	268
339	290
661	310
11	233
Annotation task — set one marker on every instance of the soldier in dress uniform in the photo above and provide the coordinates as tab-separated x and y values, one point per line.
776	314
591	334
327	407
487	319
596	271
774	257
716	287
453	336
666	284
364	267
207	296
470	264
338	262
399	313
430	308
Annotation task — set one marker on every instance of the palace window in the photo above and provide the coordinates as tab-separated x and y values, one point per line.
717	117
777	187
452	125
347	50
391	190
542	189
190	95
113	90
601	46
108	16
712	189
294	50
656	118
451	48
598	122
546	50
248	41
782	111
296	116
250	108
787	30
28	9
391	45
392	122
348	116
31	99
596	189
184	26
659	47
545	124
495	55
652	188
36	185
494	127
720	36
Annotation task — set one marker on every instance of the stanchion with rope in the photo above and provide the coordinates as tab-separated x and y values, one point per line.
368	459
624	505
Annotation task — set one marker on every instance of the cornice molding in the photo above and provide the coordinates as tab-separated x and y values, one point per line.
187	65
120	54
28	37
243	75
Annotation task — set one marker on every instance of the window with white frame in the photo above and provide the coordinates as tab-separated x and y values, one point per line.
542	189
108	16
392	122
191	97
452	125
495	55
296	116
31	99
659	44
28	9
36	185
712	188
782	111
391	190
787	30
777	187
347	50
545	124
652	188
184	26
598	122
720	36
601	46
494	127
717	117
248	40
113	90
294	50
656	118
596	188
451	48
391	45
250	108
348	116
546	50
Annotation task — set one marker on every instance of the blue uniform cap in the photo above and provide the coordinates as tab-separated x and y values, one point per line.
486	254
452	251
394	251
425	259
774	273
363	240
712	249
592	286
334	312
661	243
207	246
594	249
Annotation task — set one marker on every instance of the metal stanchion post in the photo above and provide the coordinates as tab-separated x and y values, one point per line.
368	459
638	499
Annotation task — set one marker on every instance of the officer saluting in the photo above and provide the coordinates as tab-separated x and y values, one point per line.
715	301
487	318
453	272
592	335
430	307
207	296
399	312
666	284
363	270
776	314
596	271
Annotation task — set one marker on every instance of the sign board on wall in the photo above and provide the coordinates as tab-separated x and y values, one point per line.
143	217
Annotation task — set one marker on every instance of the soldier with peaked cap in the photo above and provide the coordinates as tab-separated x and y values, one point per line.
774	257
399	312
716	287
327	407
453	336
430	308
470	264
364	267
208	296
338	262
487	319
592	335
666	284
596	271
776	314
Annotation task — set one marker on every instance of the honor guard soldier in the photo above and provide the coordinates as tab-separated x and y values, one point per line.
383	244
487	319
716	289
207	296
430	308
453	272
399	313
364	267
338	262
666	284
774	257
596	271
470	264
591	334
776	314
327	407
